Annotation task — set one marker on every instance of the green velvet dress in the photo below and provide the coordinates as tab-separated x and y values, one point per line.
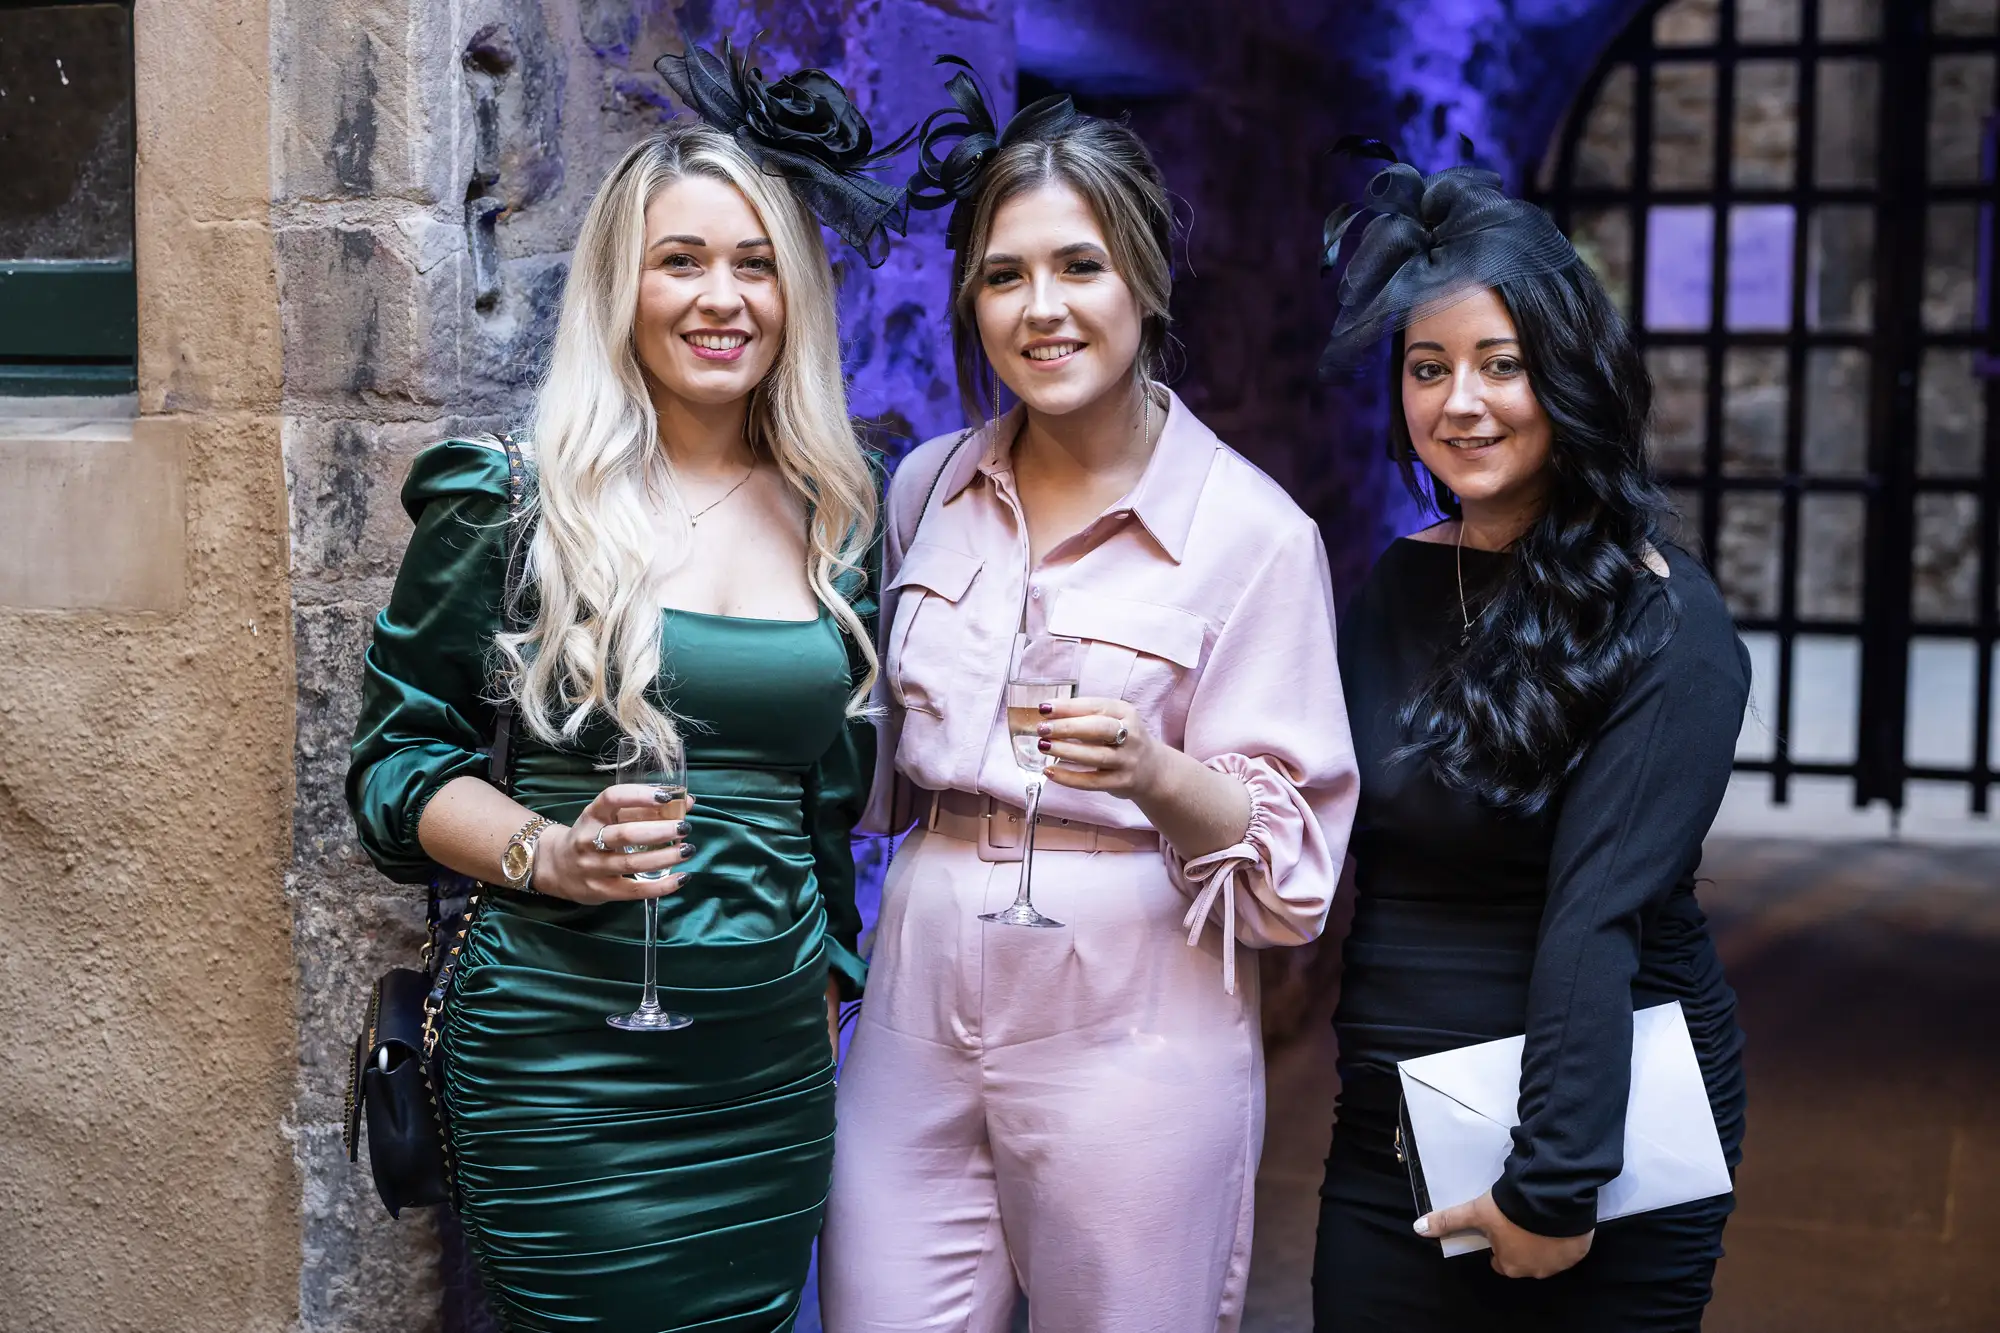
613	1180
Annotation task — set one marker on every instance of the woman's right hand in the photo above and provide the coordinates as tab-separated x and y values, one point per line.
569	865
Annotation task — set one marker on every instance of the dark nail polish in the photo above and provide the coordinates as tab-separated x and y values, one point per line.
687	850
1045	730
1048	709
1042	745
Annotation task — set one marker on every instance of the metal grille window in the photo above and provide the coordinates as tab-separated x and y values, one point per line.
68	303
1793	200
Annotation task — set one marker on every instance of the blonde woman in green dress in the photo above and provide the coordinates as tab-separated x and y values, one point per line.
693	582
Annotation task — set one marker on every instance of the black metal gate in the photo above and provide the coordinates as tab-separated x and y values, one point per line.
1795	200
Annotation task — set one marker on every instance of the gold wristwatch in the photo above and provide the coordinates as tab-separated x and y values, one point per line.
517	863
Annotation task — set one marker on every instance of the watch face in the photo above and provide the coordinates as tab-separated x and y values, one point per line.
514	861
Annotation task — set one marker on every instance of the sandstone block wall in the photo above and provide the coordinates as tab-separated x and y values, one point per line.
145	789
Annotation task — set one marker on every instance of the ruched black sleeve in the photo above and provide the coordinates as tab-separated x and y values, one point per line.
1630	828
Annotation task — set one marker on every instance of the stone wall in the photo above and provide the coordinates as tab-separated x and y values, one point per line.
145	789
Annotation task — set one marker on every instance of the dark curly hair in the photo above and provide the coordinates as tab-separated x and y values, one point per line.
1508	716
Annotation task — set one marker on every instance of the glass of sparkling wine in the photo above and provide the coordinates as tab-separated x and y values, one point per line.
672	782
1044	671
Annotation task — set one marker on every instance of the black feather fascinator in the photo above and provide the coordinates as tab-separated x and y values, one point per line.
1418	244
948	177
805	128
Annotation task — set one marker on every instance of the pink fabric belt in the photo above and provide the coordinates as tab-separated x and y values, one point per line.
997	829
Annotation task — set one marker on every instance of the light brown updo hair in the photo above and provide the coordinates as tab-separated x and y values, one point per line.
1111	169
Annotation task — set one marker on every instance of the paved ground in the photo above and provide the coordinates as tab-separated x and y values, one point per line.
1869	975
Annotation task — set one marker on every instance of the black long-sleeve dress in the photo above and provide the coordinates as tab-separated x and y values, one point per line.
1472	925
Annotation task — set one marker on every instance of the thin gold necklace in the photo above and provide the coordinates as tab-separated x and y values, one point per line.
696	516
1464	615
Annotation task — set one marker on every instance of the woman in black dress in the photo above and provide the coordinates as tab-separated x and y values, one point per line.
1545	698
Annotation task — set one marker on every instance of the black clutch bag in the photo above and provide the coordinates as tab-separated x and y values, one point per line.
395	1091
395	1082
395	1086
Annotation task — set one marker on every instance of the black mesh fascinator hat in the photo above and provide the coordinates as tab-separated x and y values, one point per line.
1418	244
805	128
949	177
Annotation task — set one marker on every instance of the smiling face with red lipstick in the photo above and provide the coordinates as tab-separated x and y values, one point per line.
711	311
1057	320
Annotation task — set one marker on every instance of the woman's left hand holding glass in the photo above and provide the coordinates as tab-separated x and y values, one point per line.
1103	746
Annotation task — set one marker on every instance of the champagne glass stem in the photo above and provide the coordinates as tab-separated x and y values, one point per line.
1028	850
649	998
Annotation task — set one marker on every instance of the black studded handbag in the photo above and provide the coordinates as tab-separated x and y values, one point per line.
395	1086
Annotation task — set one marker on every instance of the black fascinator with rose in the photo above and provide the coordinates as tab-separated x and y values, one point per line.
805	128
949	177
1417	244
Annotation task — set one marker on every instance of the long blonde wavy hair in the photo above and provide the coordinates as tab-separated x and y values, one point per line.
593	644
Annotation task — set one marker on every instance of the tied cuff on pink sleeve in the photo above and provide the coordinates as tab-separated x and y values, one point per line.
1215	875
1252	865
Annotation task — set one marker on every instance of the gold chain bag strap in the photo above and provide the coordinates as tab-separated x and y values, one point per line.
396	1083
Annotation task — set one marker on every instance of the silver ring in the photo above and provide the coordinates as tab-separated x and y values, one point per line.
598	841
1119	739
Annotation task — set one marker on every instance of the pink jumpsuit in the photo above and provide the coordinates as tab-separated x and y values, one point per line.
1080	1111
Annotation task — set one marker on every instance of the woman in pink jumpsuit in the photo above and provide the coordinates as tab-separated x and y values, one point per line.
1079	1112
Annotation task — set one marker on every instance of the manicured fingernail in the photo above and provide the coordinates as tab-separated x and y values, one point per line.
1422	1226
687	850
1045	730
1042	745
1047	709
665	797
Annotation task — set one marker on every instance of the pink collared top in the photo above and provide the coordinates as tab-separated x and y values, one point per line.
1203	599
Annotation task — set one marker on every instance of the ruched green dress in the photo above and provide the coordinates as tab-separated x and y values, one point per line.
613	1180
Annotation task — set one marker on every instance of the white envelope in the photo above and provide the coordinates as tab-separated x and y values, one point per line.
1463	1103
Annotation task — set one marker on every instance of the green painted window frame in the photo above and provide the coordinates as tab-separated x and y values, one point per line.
69	328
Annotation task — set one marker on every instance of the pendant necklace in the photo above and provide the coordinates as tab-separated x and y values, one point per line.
695	517
1465	616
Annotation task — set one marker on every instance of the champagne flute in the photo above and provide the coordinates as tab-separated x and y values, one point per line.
672	782
1044	671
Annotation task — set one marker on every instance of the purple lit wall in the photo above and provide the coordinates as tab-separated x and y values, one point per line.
1239	99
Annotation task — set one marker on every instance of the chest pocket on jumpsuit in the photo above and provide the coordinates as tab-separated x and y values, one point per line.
923	642
1136	651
